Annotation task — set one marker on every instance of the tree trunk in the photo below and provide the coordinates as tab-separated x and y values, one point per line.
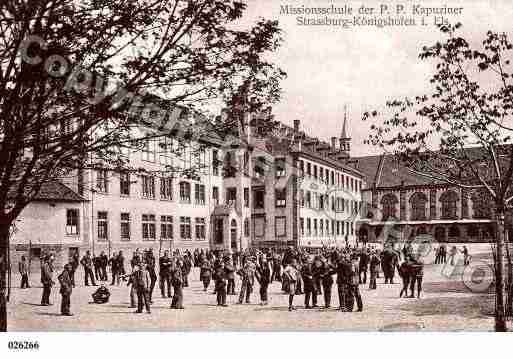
4	252
500	317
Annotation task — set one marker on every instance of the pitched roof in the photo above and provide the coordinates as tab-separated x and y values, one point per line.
386	171
56	191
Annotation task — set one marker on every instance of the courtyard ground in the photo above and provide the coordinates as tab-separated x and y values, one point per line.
446	305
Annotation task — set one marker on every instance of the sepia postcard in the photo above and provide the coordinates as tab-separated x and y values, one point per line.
255	166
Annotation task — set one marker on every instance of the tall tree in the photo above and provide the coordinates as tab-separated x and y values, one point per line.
77	77
459	132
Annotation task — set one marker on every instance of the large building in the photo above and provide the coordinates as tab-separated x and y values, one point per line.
406	205
281	189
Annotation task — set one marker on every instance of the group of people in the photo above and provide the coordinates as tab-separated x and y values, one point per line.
300	271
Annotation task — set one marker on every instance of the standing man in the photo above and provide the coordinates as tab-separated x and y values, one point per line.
344	279
363	266
327	282
150	265
355	282
264	278
103	261
75	260
114	269
229	268
121	263
97	270
141	283
177	280
220	284
307	274
374	268
417	274
276	268
23	269
47	279
66	288
291	275
87	263
248	280
164	273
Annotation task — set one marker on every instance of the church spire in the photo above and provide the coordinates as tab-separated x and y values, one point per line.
345	140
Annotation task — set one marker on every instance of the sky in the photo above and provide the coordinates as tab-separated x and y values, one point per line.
361	67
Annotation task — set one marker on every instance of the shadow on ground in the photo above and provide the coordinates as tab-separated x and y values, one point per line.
473	307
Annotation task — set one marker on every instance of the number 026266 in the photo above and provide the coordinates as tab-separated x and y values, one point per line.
23	345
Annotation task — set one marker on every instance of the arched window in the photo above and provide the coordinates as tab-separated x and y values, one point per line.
246	227
449	200
481	204
454	232
473	231
389	203
418	202
440	234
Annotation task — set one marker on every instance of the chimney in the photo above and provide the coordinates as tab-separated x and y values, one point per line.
333	143
296	125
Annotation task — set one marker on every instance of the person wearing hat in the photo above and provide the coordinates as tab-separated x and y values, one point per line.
248	280
87	263
220	284
405	274
141	282
355	282
373	268
66	289
23	269
177	280
327	281
205	273
264	278
47	279
344	281
308	281
291	275
229	268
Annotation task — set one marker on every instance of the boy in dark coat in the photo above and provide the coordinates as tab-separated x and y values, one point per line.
66	288
220	284
263	276
206	273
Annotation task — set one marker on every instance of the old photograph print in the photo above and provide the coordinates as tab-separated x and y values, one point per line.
256	165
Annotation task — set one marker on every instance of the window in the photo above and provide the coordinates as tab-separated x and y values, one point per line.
185	227
103	229
259	197
200	228
72	222
321	174
148	186
449	199
148	227
281	197
165	151
302	226
246	197
259	167
308	169
418	202
332	178
280	225
302	198
102	181
327	227
215	162
321	227
185	192
321	202
199	193
301	168
388	202
166	188
259	227
124	184
315	227
338	228
315	171
125	226
215	195
246	227
148	150
229	167
231	195
308	199
308	227
166	227
481	205
279	164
